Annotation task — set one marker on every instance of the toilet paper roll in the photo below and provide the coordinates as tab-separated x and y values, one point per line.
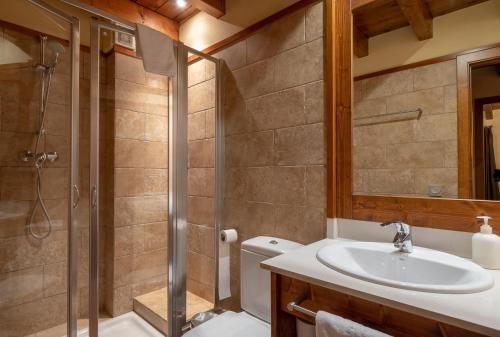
305	329
226	237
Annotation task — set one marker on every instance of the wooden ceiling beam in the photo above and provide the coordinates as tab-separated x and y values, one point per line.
216	8
419	17
136	13
360	42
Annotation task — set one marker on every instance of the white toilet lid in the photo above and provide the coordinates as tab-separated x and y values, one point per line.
232	324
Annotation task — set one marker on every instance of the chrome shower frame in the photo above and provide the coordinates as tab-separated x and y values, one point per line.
73	196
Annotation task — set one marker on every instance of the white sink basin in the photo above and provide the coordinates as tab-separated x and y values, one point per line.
422	270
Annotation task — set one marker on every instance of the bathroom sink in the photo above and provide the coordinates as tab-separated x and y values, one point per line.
422	270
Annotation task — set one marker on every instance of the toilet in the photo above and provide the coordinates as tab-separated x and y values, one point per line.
255	319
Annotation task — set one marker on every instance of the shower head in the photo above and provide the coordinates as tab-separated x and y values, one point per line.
56	48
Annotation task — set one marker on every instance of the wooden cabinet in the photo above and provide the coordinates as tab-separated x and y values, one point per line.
392	321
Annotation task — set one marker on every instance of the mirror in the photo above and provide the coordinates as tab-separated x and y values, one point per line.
406	118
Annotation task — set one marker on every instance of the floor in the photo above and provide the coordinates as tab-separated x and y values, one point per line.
153	307
148	308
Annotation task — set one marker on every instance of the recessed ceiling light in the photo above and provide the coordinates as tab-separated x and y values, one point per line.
181	3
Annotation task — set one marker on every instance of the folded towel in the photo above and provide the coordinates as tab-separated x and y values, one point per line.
156	50
328	325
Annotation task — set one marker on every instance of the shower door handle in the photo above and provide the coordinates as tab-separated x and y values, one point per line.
94	197
76	196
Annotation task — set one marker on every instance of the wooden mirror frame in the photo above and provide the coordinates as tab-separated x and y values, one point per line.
451	214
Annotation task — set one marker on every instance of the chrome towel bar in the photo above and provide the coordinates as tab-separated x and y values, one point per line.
292	306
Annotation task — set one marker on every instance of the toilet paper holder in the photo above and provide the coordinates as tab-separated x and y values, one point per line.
295	306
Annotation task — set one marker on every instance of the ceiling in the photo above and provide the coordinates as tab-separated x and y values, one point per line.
170	9
375	17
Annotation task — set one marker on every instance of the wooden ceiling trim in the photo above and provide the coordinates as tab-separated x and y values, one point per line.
136	13
151	4
216	8
360	42
419	17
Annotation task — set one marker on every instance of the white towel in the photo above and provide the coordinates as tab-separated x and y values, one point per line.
156	50
328	325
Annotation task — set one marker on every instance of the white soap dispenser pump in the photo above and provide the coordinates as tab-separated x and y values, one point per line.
486	246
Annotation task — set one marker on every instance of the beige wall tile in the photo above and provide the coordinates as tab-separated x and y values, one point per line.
155	208
130	124
435	75
156	128
302	224
370	157
200	289
155	155
438	127
300	65
315	102
128	211
129	153
260	184
201	153
148	265
201	240
210	69
129	240
287	109
156	81
450	98
201	211
55	279
388	85
197	125
129	69
431	101
155	181
122	300
234	56
314	22
289	185
315	185
236	185
380	134
21	286
413	155
155	235
255	79
210	123
201	182
196	73
300	145
201	96
370	107
451	153
129	182
255	149
200	268
392	181
446	177
34	316
132	96
288	32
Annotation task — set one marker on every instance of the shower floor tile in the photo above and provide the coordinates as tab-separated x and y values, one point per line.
153	307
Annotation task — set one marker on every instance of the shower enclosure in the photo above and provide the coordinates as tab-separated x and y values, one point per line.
95	156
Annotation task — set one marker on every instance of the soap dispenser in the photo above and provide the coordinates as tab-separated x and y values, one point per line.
486	246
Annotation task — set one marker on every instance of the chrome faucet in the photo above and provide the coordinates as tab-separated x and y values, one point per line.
402	239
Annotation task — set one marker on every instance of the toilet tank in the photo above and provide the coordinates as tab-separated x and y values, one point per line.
255	281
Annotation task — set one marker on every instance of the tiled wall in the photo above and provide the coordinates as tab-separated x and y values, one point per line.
405	157
33	286
139	103
275	150
201	179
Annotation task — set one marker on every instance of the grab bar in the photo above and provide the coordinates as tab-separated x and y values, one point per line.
295	305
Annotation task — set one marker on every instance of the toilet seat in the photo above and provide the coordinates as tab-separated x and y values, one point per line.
232	324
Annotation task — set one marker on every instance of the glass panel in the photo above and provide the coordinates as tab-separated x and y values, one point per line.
35	84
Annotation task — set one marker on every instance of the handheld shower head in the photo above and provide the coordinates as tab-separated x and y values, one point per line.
57	49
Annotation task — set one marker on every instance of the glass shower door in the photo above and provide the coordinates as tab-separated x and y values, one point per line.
39	48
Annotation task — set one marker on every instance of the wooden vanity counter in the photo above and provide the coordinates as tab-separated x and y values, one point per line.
297	276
